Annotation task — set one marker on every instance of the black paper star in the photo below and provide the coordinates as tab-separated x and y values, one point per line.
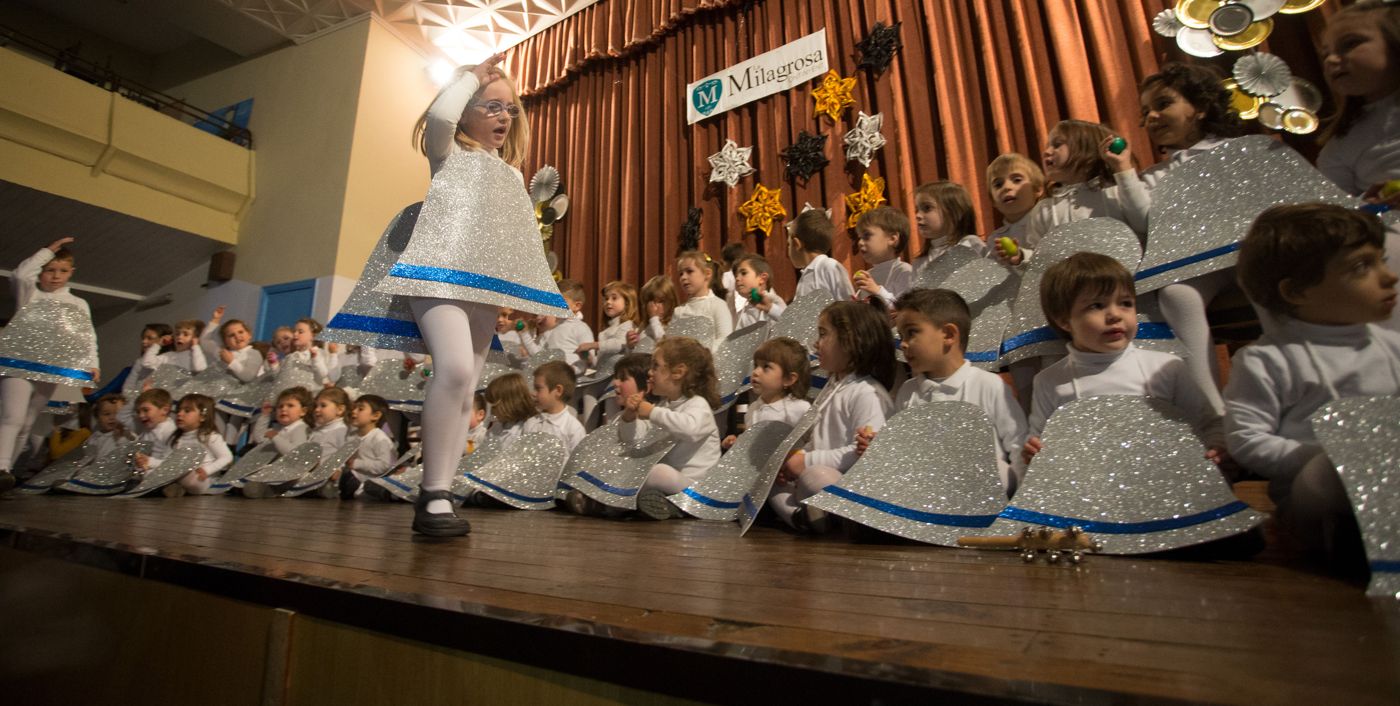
690	231
805	157
878	48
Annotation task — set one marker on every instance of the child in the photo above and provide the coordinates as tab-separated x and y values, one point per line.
750	273
305	353
1318	276
808	246
1089	299
624	316
943	213
459	267
25	389
153	411
511	406
554	388
1088	180
629	377
659	300
151	337
375	455
704	297
883	235
855	346
1015	184
1361	60
186	354
331	413
683	376
729	257
780	378
109	432
933	325
235	353
282	341
476	429
194	425
1187	112
511	332
566	334
290	414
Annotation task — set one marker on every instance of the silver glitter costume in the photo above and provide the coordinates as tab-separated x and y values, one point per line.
49	340
376	319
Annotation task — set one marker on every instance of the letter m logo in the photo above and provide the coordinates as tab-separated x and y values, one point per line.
706	96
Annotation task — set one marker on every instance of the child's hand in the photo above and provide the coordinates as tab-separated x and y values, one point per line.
1121	162
57	245
201	474
141	461
793	467
1384	193
167	341
272	357
409	364
313	352
96	374
146	384
632	338
226	355
644	408
864	436
865	283
1032	447
765	304
1218	456
217	316
1012	260
728	442
270	433
331	348
586	347
483	70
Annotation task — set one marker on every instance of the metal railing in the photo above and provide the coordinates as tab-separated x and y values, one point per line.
70	63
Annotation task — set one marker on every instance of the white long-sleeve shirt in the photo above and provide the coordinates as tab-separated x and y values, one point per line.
937	250
1131	371
1369	153
191	359
102	443
290	437
159	436
375	454
751	314
825	274
854	403
787	410
566	336
440	129
1126	199
613	339
24	284
691	423
504	434
247	363
713	308
217	457
895	277
989	392
562	424
331	436
655	330
1276	383
321	363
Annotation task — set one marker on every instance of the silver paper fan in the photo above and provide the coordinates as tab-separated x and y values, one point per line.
1262	75
544	184
1197	42
1166	23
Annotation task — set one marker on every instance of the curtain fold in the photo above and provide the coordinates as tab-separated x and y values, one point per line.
605	90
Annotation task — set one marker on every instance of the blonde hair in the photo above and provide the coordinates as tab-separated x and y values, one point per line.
1083	139
661	289
517	137
631	309
509	397
1011	161
703	261
700	379
1385	17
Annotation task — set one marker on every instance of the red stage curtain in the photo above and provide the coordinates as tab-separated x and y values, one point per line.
605	91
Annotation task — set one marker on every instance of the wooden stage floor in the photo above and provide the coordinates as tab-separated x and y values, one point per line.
691	609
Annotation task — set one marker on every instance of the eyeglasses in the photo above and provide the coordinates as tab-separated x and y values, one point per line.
494	108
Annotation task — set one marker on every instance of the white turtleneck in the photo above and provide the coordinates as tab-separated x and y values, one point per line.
1126	199
1369	153
1131	371
1296	367
691	423
894	276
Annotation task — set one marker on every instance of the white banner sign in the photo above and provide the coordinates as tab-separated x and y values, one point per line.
763	75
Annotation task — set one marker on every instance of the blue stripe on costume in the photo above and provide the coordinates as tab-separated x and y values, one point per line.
624	492
706	500
503	491
33	367
479	281
375	324
932	518
1177	264
1172	523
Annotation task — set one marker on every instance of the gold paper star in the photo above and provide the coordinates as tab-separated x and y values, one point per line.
834	95
871	194
761	208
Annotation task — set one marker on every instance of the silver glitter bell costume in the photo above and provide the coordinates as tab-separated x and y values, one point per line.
373	318
1202	209
1131	472
899	487
476	240
988	287
527	476
49	340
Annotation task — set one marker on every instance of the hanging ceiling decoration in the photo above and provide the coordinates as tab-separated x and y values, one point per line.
1262	87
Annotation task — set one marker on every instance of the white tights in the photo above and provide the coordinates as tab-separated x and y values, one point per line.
457	335
21	401
666	479
787	498
1184	306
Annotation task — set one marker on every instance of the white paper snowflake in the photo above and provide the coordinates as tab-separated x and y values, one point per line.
865	138
731	163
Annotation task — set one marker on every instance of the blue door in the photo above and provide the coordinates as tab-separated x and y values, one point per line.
283	304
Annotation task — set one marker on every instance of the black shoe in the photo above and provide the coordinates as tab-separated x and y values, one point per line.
810	520
7	481
653	504
437	524
349	485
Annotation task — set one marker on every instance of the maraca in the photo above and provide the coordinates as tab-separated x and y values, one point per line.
1390	188
1008	246
1118	145
755	296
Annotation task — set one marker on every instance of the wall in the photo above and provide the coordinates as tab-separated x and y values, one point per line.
304	112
